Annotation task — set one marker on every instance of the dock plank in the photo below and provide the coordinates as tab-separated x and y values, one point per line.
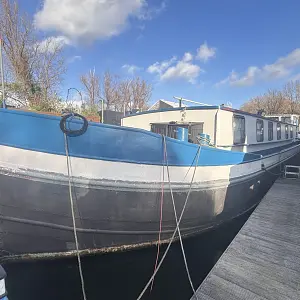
263	261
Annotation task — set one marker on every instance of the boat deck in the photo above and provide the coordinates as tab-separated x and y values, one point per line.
263	261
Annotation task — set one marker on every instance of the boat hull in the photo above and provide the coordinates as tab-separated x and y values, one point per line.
116	176
36	215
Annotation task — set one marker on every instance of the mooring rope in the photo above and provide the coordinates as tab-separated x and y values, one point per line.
73	217
176	218
175	231
161	215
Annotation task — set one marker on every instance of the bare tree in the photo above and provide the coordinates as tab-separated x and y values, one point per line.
119	94
141	92
276	101
253	105
125	90
110	84
16	32
36	68
91	83
291	92
48	66
273	102
126	94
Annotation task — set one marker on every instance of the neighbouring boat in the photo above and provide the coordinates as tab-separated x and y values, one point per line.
117	176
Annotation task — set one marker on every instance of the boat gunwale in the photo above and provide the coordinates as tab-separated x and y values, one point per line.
138	185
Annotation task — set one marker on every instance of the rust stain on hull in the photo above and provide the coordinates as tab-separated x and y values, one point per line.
86	252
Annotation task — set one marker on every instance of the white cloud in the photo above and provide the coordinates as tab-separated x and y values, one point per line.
176	69
160	67
131	69
231	77
187	57
51	44
182	70
204	53
281	68
148	13
89	20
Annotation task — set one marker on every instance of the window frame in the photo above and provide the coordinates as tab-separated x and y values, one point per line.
270	132
286	132
291	132
262	130
278	131
170	129
233	129
160	128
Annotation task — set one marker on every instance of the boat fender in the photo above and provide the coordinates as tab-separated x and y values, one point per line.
71	132
3	292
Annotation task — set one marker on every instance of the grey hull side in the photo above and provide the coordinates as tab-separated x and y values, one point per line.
35	215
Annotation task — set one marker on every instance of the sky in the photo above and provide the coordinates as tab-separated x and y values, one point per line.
211	51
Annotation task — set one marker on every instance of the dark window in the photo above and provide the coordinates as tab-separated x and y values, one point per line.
286	131
278	131
270	131
291	132
160	128
194	131
259	130
238	129
170	130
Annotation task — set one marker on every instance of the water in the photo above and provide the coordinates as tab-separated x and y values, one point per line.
122	275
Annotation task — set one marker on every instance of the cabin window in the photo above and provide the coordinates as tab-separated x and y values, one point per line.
286	131
291	132
278	131
238	129
160	128
194	131
286	119
170	130
167	129
270	131
259	130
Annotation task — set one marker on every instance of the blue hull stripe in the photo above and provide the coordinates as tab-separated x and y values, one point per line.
36	132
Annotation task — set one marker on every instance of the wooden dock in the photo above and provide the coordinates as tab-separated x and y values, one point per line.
263	261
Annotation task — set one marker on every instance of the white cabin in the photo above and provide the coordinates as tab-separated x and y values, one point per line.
228	128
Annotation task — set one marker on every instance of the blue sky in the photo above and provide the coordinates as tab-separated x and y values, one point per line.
212	51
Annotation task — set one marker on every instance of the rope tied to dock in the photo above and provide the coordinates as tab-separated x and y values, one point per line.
178	221
73	217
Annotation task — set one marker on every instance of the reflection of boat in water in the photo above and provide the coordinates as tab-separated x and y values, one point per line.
117	176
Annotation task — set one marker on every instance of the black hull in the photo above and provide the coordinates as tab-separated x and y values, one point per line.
36	216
